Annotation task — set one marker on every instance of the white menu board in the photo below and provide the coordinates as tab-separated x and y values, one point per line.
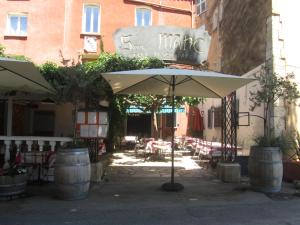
102	131
93	131
92	118
84	131
103	118
80	117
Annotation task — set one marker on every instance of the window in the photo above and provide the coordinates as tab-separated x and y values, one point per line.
218	117
201	6
17	24
209	119
91	19
143	17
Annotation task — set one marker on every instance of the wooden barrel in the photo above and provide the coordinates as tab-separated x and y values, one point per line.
72	173
13	185
265	169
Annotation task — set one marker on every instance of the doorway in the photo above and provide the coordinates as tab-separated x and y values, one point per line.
139	124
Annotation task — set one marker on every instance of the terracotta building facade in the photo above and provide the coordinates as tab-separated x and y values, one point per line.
74	31
69	31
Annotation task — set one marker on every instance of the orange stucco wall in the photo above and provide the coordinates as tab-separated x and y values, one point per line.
54	27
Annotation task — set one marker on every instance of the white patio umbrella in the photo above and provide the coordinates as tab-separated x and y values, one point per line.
23	77
18	75
174	82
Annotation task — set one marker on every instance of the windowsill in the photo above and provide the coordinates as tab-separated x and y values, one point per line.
90	34
14	36
88	56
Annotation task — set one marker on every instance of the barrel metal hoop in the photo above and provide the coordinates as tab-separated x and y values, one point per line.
13	185
72	153
70	184
72	164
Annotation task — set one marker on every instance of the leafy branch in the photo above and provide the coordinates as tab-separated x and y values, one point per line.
272	88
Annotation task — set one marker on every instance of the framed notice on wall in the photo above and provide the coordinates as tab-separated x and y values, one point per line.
81	117
92	124
92	118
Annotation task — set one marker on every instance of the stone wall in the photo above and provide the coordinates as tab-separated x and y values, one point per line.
243	34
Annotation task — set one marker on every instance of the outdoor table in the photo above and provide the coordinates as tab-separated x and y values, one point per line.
213	148
162	147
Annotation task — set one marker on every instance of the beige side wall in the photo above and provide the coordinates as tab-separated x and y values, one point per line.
247	134
213	133
286	50
63	118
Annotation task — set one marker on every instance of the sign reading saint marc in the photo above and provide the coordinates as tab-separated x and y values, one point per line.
180	45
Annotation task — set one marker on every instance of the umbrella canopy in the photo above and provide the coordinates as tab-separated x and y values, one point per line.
174	82
17	75
192	83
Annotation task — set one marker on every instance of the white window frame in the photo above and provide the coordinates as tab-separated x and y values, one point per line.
135	16
8	24
201	6
92	21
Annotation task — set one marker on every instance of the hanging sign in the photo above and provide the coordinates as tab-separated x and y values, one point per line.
175	44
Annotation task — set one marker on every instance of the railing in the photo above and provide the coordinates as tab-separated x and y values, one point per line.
30	140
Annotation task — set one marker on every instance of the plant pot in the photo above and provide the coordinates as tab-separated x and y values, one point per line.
13	185
243	161
72	173
291	171
265	169
229	172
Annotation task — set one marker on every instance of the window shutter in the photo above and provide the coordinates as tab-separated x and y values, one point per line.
218	117
209	119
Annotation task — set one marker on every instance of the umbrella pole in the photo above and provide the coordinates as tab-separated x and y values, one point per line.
172	186
173	130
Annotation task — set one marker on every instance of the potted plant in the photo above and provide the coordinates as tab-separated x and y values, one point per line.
13	178
265	160
291	162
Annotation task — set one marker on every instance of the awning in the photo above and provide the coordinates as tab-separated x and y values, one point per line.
17	75
167	109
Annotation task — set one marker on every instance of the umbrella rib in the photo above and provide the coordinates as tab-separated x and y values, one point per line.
152	77
164	80
26	78
188	78
206	87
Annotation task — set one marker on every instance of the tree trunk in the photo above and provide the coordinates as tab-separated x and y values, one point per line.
154	129
75	120
267	122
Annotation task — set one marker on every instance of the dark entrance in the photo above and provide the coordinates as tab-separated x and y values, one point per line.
139	124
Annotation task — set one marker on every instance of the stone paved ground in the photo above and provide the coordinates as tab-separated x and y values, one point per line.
131	195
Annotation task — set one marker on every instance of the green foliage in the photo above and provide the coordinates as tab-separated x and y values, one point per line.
283	141
75	83
272	88
114	62
2	49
